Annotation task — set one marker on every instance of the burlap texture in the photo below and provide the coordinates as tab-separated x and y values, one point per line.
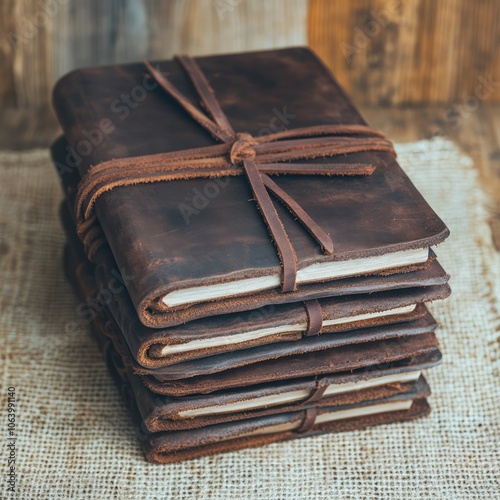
75	438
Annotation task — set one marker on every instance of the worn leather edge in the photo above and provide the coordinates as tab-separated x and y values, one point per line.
160	453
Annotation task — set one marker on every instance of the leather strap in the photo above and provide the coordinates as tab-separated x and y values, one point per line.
207	95
317	392
285	249
314	316
239	153
309	420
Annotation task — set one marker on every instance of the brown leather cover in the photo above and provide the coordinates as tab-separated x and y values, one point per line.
211	365
430	274
144	343
165	413
239	358
339	359
227	239
170	447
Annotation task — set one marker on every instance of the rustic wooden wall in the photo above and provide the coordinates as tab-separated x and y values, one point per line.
410	51
383	51
42	39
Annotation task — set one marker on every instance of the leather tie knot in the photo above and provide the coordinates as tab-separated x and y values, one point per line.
242	148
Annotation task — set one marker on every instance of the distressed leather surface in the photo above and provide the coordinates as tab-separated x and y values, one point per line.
185	445
349	357
144	343
427	274
227	239
284	350
320	355
162	413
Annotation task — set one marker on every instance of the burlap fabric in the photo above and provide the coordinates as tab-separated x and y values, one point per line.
76	440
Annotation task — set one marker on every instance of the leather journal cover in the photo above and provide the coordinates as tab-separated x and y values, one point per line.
169	447
229	356
428	274
224	249
315	364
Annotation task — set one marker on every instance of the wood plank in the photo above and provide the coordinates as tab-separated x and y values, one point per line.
24	33
94	32
417	51
7	27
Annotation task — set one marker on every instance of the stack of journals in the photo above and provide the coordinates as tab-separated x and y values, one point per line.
255	267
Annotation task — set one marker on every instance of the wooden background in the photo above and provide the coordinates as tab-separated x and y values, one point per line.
385	52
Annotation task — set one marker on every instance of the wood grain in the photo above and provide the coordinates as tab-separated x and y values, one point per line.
383	51
25	53
410	51
41	40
